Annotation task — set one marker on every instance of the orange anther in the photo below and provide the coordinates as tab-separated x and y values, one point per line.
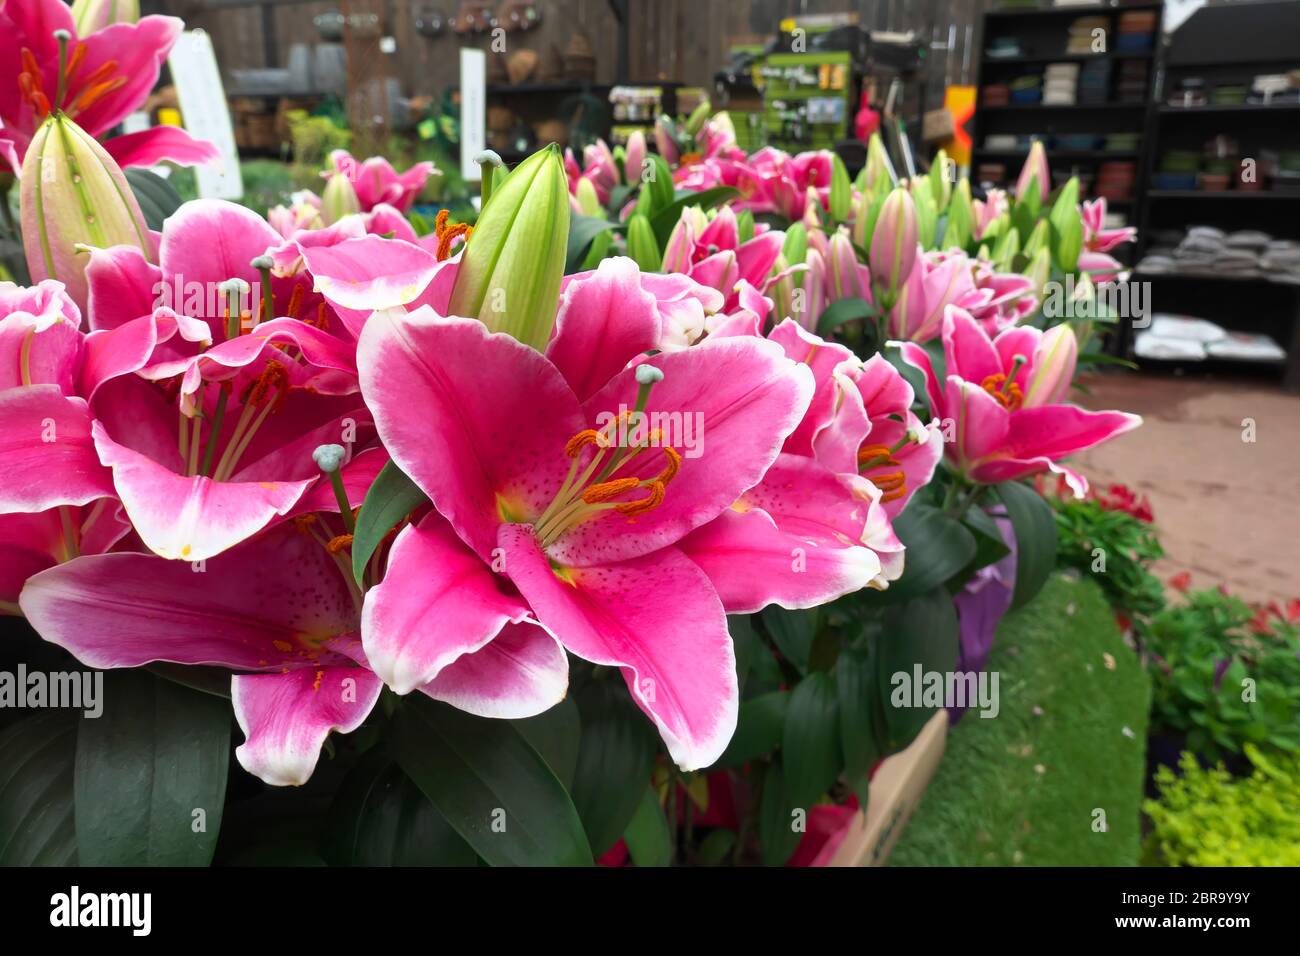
338	543
1008	395
642	505
609	489
671	467
587	436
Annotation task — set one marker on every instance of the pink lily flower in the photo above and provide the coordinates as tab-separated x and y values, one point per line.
283	612
376	181
107	75
997	300
831	486
1036	169
860	423
530	460
302	213
1000	402
1096	236
786	182
709	250
988	209
54	505
600	170
1095	260
208	445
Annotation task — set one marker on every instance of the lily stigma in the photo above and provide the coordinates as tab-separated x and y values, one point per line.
590	492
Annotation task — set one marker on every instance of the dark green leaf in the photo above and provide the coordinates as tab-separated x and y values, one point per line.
36	803
759	729
494	789
151	774
919	634
810	748
582	230
665	218
381	818
556	735
648	841
990	546
776	818
746	644
614	761
855	683
209	680
390	499
938	547
157	197
1035	527
715	847
792	632
842	312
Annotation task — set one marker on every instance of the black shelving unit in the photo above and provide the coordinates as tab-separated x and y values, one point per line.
1043	34
1227	44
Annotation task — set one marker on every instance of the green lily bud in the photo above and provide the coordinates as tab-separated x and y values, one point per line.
1038	239
511	269
893	245
642	245
960	218
841	196
796	242
699	116
588	201
339	199
74	195
1067	225
940	184
877	176
1039	270
927	216
91	15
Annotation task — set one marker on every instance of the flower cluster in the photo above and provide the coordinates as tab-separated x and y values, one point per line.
570	465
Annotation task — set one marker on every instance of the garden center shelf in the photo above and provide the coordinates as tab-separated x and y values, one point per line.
1218	52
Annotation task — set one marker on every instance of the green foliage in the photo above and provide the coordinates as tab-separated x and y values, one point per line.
1069	738
315	137
1088	534
1207	817
1220	681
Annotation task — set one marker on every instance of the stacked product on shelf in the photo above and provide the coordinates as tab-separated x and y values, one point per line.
1243	254
1137	30
1060	83
1027	90
995	94
1260	89
1220	166
1083	35
1004	48
1185	338
1116	180
1094	82
1132	85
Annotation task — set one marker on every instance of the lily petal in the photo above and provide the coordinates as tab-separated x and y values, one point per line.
49	459
478	420
286	717
680	667
438	602
605	320
521	672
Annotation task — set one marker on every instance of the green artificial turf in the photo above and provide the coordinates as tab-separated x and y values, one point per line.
1022	788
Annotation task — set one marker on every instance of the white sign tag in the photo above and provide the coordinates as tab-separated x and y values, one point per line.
473	111
203	104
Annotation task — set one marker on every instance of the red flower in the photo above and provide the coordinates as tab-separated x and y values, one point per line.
1181	581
